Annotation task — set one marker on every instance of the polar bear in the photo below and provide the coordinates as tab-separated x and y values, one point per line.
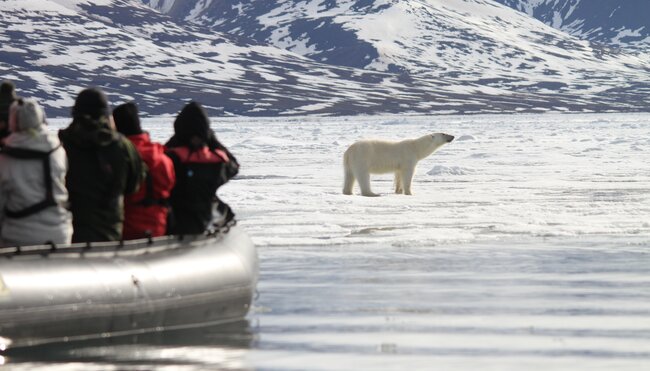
367	157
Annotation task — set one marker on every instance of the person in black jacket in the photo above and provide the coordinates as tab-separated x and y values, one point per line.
103	167
7	97
202	165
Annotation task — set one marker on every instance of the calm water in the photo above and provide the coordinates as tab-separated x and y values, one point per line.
525	247
552	305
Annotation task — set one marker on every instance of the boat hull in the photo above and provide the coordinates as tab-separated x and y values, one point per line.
142	286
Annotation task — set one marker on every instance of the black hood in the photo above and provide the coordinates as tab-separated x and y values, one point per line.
191	127
91	102
126	119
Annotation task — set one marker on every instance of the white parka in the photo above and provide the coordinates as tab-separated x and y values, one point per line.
22	182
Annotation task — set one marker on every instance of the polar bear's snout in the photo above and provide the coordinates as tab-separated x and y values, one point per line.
442	138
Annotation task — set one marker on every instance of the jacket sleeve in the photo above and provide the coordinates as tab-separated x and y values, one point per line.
165	176
231	166
136	168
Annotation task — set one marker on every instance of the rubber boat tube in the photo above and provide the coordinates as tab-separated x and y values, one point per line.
50	293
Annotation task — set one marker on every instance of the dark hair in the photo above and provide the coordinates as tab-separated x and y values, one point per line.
91	102
126	119
7	88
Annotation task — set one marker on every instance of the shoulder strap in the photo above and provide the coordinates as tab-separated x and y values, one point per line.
149	199
28	154
174	156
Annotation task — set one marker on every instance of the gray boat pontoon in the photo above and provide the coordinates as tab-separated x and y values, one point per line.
50	293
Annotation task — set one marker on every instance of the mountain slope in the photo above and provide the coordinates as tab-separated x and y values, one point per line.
416	36
55	48
349	57
621	23
473	42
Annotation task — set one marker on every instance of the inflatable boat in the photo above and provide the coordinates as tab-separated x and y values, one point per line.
62	293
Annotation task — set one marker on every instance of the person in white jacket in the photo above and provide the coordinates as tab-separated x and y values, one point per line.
33	167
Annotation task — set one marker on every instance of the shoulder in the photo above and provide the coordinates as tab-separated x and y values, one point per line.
124	143
203	155
155	155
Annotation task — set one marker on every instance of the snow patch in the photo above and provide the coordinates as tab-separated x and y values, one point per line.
449	170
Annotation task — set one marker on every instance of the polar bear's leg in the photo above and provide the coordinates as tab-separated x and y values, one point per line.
363	177
398	183
407	178
348	183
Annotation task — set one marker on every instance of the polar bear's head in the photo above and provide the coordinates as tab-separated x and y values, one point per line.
436	140
431	142
441	138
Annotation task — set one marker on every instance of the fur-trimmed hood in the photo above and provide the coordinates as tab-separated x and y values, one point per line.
25	115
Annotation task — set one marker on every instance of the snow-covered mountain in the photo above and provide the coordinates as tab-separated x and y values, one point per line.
434	37
622	23
54	48
312	56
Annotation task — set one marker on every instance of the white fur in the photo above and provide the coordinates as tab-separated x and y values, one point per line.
367	157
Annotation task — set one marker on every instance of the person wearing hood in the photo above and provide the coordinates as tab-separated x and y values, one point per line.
202	165
7	97
145	212
33	196
103	168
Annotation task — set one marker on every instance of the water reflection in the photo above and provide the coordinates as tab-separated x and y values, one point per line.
530	305
222	347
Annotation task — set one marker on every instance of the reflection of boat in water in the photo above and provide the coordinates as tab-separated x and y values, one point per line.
205	347
50	294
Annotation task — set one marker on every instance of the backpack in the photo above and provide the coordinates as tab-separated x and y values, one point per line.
44	157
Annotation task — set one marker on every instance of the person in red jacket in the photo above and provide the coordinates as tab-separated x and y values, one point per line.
145	212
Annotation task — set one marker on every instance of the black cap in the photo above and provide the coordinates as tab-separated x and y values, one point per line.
192	122
126	119
92	102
